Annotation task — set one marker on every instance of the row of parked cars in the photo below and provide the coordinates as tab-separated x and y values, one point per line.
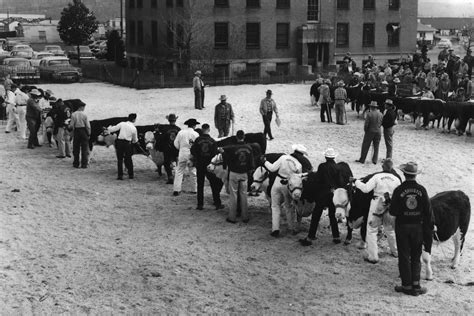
22	63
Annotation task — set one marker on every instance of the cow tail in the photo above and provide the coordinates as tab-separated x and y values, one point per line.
464	218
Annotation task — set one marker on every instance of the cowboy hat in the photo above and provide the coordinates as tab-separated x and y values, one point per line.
410	168
191	122
385	82
35	92
389	102
299	148
198	72
171	117
223	98
341	84
373	104
396	80
49	92
330	153
269	92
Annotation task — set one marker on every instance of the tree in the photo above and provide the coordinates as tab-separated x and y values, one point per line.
76	25
468	34
115	47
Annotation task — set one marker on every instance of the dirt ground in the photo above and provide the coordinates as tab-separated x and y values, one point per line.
79	242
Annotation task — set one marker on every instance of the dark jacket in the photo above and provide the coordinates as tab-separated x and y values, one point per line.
203	149
305	163
328	176
373	121
33	110
239	158
389	118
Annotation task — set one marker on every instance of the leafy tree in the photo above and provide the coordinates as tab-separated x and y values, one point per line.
115	47
76	25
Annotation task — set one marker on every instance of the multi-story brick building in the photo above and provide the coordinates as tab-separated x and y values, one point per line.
264	36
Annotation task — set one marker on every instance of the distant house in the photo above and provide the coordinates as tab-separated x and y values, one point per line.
425	33
45	31
447	26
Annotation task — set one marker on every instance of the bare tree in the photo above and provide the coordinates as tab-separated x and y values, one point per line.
468	34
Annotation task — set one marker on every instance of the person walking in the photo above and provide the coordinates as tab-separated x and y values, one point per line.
21	99
388	122
223	116
340	99
383	185
13	118
127	136
198	86
62	117
202	151
267	108
329	176
33	118
373	133
240	161
414	224
183	143
167	136
81	128
325	100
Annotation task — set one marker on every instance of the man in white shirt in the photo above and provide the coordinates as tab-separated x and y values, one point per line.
21	99
183	142
381	183
123	145
11	110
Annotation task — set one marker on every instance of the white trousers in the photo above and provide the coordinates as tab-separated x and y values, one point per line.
281	197
181	168
371	238
21	110
12	118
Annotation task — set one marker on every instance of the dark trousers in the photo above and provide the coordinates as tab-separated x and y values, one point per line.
33	129
388	137
267	120
216	185
369	138
409	244
80	145
326	201
168	159
326	109
197	99
202	97
124	154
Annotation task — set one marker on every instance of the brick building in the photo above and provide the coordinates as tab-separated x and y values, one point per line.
267	36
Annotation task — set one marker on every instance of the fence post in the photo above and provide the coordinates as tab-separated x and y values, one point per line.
162	79
122	77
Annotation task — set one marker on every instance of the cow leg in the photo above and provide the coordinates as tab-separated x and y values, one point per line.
290	213
457	248
426	258
348	240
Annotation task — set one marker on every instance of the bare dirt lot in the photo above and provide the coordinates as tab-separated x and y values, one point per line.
78	241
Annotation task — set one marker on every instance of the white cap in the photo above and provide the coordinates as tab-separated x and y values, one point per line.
330	153
299	148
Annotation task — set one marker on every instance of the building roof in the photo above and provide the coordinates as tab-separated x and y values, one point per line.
446	23
425	28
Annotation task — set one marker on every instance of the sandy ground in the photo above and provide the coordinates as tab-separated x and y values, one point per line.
78	241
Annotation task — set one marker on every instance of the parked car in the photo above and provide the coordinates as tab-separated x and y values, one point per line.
85	52
444	43
54	49
19	69
11	43
58	68
21	54
37	56
22	48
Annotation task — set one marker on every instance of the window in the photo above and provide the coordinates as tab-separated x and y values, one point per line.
313	10
42	35
140	33
221	70
283	35
131	4
393	4
253	69
342	36
139	4
393	34
221	3
253	35
283	4
131	32
180	35
283	69
169	3
253	3
343	4
369	4
170	35
154	4
221	35
154	33
179	3
368	35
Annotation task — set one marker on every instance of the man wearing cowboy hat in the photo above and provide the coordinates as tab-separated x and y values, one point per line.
329	176
223	116
267	107
183	142
82	130
165	144
325	100
10	101
340	99
373	133
198	86
414	225
33	117
388	123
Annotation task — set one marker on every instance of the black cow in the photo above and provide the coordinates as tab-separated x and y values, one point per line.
99	126
464	112
258	138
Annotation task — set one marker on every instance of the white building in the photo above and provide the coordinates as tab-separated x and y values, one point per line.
425	33
45	31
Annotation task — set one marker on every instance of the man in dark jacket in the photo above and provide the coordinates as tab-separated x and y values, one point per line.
373	133
388	123
33	118
413	227
202	151
166	136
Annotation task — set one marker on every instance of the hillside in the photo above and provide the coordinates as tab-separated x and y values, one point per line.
103	9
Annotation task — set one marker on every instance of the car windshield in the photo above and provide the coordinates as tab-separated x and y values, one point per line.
84	48
53	48
58	62
15	63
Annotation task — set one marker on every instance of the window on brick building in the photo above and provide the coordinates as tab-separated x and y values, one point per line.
221	3
368	35
283	69
131	4
369	4
221	70
179	3
253	69
140	33
154	33
343	4
393	34
170	35
283	35
139	4
342	35
253	35
154	4
169	3
253	3
131	33
393	4
313	10
283	4
42	35
221	35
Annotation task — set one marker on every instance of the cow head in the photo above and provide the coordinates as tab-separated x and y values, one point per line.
295	185
149	140
216	161
259	177
342	203
381	214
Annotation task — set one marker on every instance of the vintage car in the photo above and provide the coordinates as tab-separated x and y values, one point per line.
54	49
58	68
22	48
85	52
37	56
19	69
21	54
